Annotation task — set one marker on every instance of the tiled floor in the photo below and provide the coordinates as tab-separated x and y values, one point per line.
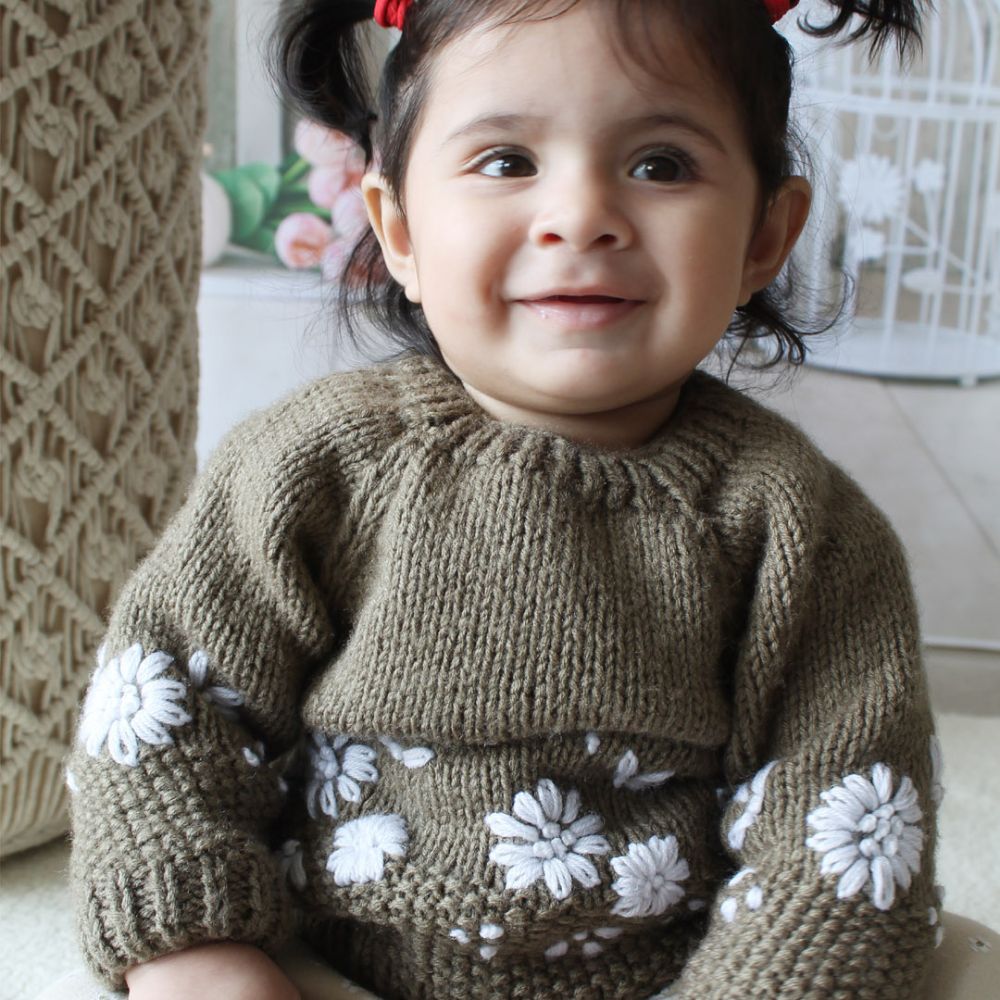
928	454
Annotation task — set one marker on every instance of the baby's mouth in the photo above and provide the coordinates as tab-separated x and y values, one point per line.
580	312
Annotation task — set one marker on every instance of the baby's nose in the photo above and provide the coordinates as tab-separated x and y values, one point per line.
582	216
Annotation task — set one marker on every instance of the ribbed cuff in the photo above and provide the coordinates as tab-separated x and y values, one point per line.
126	917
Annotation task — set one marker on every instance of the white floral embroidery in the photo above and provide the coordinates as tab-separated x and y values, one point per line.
361	846
487	932
728	909
626	774
226	700
752	793
872	188
338	768
71	783
129	702
588	946
648	878
291	864
553	841
592	742
754	898
937	772
412	758
868	835
254	755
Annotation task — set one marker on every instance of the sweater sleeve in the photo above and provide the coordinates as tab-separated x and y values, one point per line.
831	830
175	776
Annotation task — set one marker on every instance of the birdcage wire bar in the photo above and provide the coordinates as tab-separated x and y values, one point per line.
907	198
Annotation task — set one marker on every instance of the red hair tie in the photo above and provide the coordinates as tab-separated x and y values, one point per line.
391	13
779	8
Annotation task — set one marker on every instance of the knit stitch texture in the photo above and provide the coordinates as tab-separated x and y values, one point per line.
485	712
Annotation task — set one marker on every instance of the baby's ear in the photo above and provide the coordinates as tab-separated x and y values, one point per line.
393	236
773	241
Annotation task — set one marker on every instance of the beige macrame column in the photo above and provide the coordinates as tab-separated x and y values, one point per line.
101	120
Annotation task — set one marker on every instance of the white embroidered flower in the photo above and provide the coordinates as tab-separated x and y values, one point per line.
71	783
338	768
254	755
872	188
361	846
937	772
626	774
129	702
291	864
752	794
929	177
868	835
553	841
226	700
588	946
592	742
413	757
648	878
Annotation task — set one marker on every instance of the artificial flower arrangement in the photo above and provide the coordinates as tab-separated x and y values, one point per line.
308	212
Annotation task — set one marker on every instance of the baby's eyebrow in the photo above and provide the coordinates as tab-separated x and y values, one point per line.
498	122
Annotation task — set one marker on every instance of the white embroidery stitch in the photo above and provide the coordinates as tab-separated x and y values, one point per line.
71	783
868	835
553	841
361	846
752	793
254	756
459	935
226	700
649	877
129	702
588	946
556	950
592	742
626	774
338	768
291	863
412	758
728	909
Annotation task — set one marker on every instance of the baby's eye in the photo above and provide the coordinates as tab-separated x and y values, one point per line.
506	165
665	168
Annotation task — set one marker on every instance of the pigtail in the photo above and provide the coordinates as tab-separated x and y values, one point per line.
881	20
317	59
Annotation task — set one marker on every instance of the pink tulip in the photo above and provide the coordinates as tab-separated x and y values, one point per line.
300	240
350	217
334	258
325	147
325	183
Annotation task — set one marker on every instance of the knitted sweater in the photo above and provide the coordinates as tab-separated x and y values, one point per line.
484	712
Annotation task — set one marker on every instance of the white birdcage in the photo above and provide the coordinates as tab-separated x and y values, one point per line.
907	199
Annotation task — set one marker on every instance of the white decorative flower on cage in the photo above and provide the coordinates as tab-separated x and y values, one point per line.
129	703
361	847
549	841
649	878
869	835
339	767
929	177
864	244
872	188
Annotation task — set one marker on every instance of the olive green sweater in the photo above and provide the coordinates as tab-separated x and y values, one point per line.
484	712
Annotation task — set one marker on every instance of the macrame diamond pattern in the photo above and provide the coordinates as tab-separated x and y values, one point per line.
99	241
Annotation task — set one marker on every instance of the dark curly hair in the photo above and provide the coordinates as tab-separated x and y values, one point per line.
318	60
